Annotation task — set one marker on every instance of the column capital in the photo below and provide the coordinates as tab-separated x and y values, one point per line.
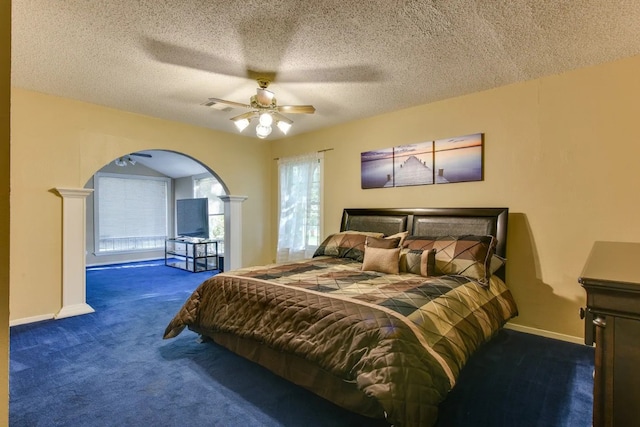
73	192
228	198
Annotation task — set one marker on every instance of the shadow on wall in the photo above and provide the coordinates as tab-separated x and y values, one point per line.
538	305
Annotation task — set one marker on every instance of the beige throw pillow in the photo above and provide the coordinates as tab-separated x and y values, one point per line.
381	260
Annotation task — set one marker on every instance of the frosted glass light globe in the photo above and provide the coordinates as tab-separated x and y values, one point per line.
263	131
266	119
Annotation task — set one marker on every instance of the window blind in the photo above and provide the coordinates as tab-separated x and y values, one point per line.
131	213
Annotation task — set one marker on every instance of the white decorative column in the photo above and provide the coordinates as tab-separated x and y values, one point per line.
73	252
232	231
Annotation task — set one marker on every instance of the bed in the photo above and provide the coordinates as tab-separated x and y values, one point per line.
381	320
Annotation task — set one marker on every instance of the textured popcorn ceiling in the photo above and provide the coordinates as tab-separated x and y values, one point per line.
351	58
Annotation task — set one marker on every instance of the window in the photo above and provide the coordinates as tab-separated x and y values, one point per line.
211	188
131	213
300	213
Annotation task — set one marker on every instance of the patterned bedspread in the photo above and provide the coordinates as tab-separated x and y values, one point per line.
400	338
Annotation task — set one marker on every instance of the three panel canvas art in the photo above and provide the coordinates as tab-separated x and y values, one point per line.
442	161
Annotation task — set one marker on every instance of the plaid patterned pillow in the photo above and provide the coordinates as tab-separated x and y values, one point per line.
468	256
382	242
346	244
418	262
496	263
402	235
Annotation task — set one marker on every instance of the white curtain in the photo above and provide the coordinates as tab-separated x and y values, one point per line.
300	213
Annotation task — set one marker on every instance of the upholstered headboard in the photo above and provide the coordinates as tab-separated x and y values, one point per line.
433	222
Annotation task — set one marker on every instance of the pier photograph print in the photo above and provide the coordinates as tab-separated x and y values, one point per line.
443	161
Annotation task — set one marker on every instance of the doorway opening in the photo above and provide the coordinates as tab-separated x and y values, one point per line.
132	209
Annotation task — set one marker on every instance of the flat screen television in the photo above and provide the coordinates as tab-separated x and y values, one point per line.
192	217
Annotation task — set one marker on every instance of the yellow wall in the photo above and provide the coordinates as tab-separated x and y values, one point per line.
561	152
58	142
5	85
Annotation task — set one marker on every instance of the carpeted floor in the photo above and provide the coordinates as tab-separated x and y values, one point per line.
112	368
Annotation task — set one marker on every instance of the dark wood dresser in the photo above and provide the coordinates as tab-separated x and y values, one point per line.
611	278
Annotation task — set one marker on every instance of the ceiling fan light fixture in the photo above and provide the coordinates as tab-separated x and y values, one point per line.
263	131
266	119
263	107
120	162
283	126
241	124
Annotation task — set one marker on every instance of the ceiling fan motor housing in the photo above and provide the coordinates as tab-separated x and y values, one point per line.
264	98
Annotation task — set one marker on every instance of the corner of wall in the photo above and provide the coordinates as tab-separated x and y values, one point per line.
5	155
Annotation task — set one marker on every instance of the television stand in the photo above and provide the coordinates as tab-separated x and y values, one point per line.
192	254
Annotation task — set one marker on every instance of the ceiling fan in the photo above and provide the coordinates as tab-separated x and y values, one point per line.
264	107
122	161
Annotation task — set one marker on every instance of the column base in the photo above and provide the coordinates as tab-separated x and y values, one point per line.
73	310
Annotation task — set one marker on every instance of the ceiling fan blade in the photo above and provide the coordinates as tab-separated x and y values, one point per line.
344	74
297	109
224	105
280	118
141	155
260	60
184	56
249	115
263	56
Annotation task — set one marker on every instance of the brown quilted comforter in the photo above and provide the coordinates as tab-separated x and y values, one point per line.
401	339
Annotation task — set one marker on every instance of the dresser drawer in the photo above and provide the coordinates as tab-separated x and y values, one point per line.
611	300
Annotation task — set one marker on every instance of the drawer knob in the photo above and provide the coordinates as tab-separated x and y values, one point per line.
600	321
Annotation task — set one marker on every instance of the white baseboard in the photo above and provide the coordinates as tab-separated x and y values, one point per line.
99	264
68	311
544	333
33	319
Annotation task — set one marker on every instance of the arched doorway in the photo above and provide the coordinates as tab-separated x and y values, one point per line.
79	214
132	208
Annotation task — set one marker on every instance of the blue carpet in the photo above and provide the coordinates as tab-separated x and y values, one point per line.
112	368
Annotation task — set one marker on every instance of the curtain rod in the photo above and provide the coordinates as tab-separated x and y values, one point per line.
319	151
